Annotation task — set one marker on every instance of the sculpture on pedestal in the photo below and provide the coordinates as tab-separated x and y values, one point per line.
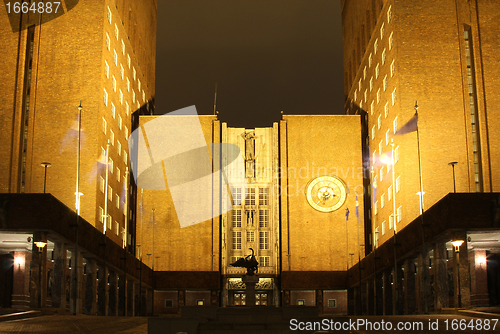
249	262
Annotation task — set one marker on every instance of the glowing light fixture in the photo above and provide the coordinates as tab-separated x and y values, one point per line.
457	244
40	245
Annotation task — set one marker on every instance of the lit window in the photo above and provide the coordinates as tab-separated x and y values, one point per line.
375	46
106	69
101	215
110	193
127	107
375	208
263	196
117	201
394	96
118	173
125	156
398	184
143	96
263	218
102	184
355	95
332	303
382	201
122	71
237	218
384	57
134	73
264	261
117	227
387	137
383	227
371	84
366	94
109	15
105	97
126	133
393	68
119	147
128	85
108	42
133	96
115	57
120	96
389	193
382	31
128	61
116	32
113	110
395	124
139	85
384	83
372	107
391	40
377	71
264	240
389	14
120	122
111	165
396	154
104	125
112	137
376	236
361	105
379	122
251	238
378	96
236	239
370	58
123	47
381	174
114	83
373	132
386	109
398	214
364	73
250	199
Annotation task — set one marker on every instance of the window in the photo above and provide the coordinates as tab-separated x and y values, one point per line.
101	215
383	227
125	157
389	14
110	164
379	123
373	132
393	68
120	96
380	147
389	193
250	236
376	236
250	199
200	302
118	174
123	47
364	73
236	239
394	96
109	15
375	46
372	107
332	303
386	110
391	40
366	94
120	122
115	57
371	84
105	97
378	95
236	194
143	96
387	137
108	42
114	83
116	31
395	124
106	69
264	261
398	184
117	201
128	85
128	61
398	214
375	208
355	95
301	302
110	193
370	60
134	72
264	240
263	196
263	218
112	137
113	110
104	125
396	154
102	184
377	71
122	72
139	85
382	31
127	107
169	303
384	57
359	85
381	175
236	218
133	96
382	200
126	133
119	147
361	105
384	83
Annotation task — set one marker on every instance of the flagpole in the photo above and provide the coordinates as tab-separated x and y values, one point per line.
394	220
347	237
77	205
106	191
359	253
421	196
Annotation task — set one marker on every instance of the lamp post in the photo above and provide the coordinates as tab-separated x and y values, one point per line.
40	245
452	164
456	245
45	165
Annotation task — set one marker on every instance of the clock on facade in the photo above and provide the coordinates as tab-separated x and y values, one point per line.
326	193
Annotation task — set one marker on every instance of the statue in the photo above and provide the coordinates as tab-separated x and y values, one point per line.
249	262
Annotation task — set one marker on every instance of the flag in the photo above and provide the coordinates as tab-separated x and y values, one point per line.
99	164
71	137
357	207
346	214
410	126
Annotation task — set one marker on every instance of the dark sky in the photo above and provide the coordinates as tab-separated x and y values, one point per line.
265	55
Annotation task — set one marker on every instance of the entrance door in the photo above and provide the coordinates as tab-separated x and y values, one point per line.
239	298
261	298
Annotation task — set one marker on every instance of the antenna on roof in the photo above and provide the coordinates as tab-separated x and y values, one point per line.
215	99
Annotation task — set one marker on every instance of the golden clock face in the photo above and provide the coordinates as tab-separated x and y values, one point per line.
326	193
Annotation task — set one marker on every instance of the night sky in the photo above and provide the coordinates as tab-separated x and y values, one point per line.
264	55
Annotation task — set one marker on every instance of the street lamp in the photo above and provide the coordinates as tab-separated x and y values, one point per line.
452	164
45	165
40	245
456	244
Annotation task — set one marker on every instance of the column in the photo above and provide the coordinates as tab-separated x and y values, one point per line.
76	283
122	295
398	294
130	298
379	294
441	289
102	291
479	278
409	286
370	292
387	279
423	283
464	274
38	282
59	276
91	287
113	293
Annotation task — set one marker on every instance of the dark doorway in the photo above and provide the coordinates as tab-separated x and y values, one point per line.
6	279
